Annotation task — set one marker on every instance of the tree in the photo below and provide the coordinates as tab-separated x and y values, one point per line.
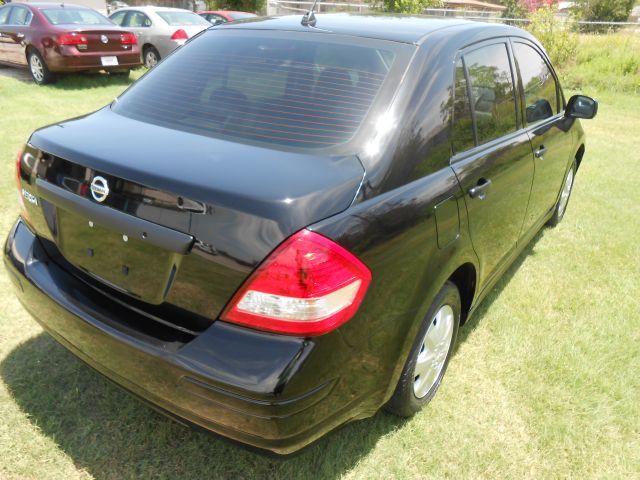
556	36
602	11
405	6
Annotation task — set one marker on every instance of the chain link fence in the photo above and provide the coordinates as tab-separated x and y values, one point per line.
288	7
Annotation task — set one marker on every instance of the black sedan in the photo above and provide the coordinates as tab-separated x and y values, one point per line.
313	215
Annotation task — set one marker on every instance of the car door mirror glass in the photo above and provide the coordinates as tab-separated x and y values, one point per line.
539	110
581	106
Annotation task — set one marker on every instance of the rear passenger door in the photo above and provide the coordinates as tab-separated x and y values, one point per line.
492	153
140	24
543	112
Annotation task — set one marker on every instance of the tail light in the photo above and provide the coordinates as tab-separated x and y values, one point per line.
72	38
308	286
23	208
180	34
128	39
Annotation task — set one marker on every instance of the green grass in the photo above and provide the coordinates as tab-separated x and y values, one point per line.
608	62
545	382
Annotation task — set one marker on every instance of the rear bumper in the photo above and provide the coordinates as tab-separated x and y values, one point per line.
69	59
252	387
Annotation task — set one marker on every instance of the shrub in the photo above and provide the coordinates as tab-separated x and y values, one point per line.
514	9
556	35
256	6
405	6
602	11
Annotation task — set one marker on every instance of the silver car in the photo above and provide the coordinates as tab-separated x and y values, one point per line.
160	30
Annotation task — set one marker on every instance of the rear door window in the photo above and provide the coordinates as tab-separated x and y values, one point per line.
20	16
538	83
462	137
138	20
118	17
293	90
492	91
4	14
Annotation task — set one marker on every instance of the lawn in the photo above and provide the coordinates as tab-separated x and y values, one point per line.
545	382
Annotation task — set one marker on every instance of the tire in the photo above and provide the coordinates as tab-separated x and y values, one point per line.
151	57
563	199
413	392
39	69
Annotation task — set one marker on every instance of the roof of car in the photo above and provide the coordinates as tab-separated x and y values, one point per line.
226	11
398	28
150	8
49	5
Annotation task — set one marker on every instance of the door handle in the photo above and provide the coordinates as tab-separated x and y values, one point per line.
539	153
480	190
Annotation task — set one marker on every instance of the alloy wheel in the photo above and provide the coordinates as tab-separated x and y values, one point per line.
433	351
566	192
37	70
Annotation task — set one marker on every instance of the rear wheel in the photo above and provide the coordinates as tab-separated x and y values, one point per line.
38	69
430	354
565	194
151	57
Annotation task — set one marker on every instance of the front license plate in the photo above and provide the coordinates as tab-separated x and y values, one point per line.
109	61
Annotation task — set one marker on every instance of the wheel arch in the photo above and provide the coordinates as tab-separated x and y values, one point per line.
29	48
465	279
579	155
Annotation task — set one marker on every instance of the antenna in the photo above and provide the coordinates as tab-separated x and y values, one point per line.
309	18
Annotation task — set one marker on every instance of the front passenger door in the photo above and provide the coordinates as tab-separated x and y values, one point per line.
547	129
14	33
492	154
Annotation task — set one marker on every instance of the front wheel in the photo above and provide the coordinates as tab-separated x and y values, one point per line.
38	69
563	200
430	354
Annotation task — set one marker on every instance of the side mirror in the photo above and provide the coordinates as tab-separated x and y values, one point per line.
539	111
581	106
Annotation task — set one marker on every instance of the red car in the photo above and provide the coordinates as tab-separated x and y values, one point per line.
53	38
217	17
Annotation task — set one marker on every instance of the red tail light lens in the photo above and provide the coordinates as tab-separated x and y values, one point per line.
128	39
179	34
308	286
23	208
72	38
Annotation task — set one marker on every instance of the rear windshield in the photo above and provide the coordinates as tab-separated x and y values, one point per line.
182	18
293	90
74	16
241	15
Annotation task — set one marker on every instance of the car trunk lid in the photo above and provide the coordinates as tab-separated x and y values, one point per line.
186	217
